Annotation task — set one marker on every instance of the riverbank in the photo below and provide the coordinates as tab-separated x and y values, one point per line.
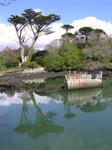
23	78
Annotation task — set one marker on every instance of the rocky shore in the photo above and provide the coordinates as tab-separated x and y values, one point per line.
20	78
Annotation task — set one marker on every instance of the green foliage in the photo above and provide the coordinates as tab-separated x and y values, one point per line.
54	62
40	60
67	57
31	65
67	27
39	57
70	35
99	31
9	59
36	23
12	63
73	56
17	20
85	30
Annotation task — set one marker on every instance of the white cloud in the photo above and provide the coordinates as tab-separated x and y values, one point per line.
58	31
17	98
94	23
8	36
38	10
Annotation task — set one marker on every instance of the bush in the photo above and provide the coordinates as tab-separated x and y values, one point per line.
54	62
12	63
9	58
73	57
31	65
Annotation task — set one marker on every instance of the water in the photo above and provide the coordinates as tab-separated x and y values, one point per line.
79	120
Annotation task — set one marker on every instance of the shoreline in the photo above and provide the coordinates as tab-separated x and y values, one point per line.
20	78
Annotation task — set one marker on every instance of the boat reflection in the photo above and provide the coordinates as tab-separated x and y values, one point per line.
88	100
83	96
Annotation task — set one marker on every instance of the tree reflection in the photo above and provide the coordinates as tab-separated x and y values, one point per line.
93	107
42	123
68	114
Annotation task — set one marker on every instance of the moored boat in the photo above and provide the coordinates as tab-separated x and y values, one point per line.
83	80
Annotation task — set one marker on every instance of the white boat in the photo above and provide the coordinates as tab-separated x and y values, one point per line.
83	80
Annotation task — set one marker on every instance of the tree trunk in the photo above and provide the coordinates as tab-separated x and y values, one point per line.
23	58
31	51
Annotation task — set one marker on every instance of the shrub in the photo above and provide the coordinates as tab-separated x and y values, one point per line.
73	57
12	63
31	65
9	58
54	62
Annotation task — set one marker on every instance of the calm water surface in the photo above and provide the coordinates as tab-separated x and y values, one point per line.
79	120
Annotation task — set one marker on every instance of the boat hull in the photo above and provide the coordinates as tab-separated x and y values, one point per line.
80	83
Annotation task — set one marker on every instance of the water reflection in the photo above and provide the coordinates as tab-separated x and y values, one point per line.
79	119
88	100
36	120
42	123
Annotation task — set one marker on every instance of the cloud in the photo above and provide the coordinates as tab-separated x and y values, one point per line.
38	10
17	98
44	40
94	23
8	35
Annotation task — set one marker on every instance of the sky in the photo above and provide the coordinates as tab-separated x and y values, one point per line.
69	10
95	13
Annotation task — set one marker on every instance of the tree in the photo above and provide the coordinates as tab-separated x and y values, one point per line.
69	36
95	37
19	24
86	31
67	27
99	33
79	39
36	23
